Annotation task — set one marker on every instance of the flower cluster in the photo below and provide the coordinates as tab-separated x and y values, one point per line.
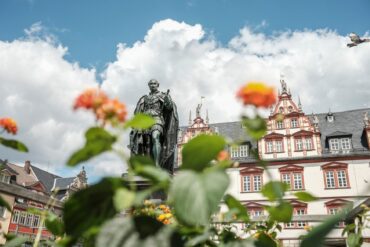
161	212
105	109
9	125
257	94
223	155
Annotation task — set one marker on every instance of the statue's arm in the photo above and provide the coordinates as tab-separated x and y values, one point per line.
167	102
139	105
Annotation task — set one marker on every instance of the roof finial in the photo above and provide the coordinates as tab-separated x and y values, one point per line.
300	104
190	117
207	119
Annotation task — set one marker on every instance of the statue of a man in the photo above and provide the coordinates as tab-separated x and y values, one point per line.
158	142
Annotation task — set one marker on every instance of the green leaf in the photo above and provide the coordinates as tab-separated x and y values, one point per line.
233	203
274	190
154	174
348	228
199	151
305	196
16	242
255	127
140	121
196	196
354	240
98	141
140	160
54	224
3	203
282	212
123	199
90	208
14	144
141	231
264	240
318	233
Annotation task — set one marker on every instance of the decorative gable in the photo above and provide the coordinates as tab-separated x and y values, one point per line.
303	133
337	202
334	165
298	204
291	168
274	135
251	170
250	205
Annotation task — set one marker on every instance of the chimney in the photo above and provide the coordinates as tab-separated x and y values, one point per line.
27	166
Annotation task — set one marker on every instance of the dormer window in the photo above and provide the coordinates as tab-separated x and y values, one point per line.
290	108
4	178
279	124
281	109
294	123
239	151
337	144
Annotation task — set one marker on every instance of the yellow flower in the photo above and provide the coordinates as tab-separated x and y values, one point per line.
161	217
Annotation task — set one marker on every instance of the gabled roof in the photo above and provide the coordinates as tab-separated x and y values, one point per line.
347	122
4	166
62	183
45	177
339	133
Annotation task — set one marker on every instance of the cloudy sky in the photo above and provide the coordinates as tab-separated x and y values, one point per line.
50	52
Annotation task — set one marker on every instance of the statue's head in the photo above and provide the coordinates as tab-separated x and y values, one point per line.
153	85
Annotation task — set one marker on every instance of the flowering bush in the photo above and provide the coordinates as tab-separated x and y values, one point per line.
9	125
187	217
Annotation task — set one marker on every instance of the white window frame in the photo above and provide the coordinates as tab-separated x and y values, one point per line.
269	146
280	124
294	123
15	217
279	146
243	151
5	178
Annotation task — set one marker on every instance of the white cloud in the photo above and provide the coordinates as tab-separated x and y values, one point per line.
38	85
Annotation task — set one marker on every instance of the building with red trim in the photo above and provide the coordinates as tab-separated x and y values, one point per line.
28	187
325	154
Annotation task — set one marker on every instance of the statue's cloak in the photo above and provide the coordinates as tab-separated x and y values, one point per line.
169	136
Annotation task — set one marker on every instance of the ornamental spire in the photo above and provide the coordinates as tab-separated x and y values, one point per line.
207	119
190	117
299	104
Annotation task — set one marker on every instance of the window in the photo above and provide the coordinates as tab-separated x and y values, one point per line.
255	212
239	151
308	142
298	144
22	218
2	212
301	209
234	152
243	151
269	147
294	123
293	180
36	221
335	206
29	220
279	146
251	179
279	125
336	144
4	178
15	216
346	143
336	175
292	175
252	183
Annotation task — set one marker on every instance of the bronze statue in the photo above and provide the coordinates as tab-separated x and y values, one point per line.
158	142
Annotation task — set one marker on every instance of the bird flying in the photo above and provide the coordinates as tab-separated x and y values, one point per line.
356	40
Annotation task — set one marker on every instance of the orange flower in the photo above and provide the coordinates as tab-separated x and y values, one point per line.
9	125
223	155
257	94
90	99
112	110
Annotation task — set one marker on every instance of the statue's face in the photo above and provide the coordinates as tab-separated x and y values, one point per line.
153	86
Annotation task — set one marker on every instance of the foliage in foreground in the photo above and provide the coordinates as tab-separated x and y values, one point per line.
115	212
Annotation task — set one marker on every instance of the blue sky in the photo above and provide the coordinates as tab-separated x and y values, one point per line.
91	29
52	50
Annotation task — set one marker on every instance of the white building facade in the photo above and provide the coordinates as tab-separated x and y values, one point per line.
326	155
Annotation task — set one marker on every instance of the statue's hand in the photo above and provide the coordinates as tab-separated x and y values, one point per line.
167	101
